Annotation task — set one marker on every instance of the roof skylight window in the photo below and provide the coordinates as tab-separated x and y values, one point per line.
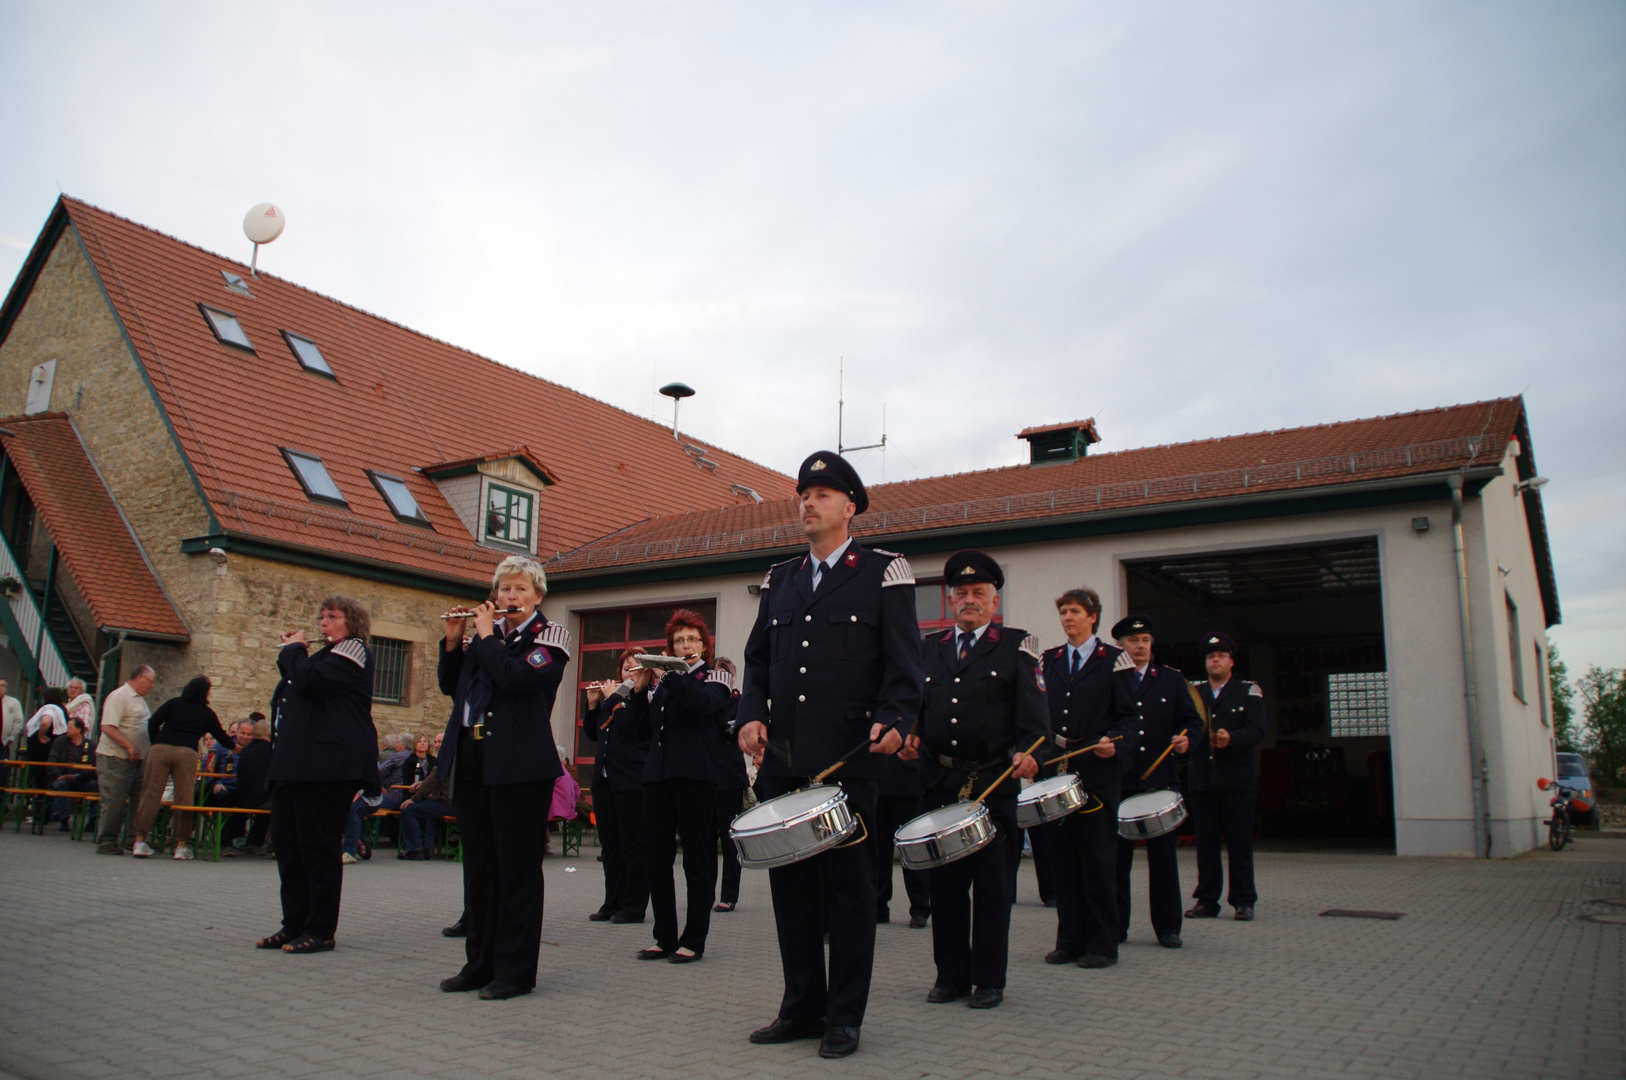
399	498
309	356
313	477
226	327
236	284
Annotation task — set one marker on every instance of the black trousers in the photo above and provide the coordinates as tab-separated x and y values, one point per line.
307	830
971	897
891	811
1162	881
690	805
257	823
504	828
835	887
1042	860
729	801
1227	815
1085	850
621	834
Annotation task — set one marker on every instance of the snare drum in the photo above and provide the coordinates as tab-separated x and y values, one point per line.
938	837
793	827
1149	814
1049	800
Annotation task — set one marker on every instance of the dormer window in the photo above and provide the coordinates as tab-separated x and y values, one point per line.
309	356
228	331
400	500
313	477
508	516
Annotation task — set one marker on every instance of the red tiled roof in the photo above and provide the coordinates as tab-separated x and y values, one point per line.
399	401
1357	451
91	536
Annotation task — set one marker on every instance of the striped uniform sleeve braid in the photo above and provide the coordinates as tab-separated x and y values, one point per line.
555	636
1124	663
898	571
353	650
718	675
1030	645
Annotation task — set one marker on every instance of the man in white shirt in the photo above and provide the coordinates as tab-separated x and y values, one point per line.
119	755
13	721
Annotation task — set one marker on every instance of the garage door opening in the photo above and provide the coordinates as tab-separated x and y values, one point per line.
1309	624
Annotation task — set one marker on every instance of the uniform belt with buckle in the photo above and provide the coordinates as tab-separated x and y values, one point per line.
966	765
1067	744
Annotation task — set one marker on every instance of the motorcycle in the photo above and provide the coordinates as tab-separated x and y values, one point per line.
1565	806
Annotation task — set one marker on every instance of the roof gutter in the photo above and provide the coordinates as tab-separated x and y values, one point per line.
317	558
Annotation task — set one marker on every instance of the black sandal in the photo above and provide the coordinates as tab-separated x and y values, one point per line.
309	943
276	940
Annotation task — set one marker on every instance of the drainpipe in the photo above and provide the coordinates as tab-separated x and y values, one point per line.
1480	773
101	671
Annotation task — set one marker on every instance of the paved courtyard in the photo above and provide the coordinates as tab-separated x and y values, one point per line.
113	967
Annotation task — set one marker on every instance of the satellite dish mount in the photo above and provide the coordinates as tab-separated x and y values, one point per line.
262	224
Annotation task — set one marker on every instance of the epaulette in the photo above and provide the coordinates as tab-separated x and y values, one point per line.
1030	645
898	571
767	579
353	650
718	675
1254	691
1124	663
555	636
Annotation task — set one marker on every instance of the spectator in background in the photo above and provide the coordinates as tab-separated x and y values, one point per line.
224	758
119	751
11	730
80	704
206	752
72	748
175	730
41	731
249	791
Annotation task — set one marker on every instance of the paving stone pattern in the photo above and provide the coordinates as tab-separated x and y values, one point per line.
114	967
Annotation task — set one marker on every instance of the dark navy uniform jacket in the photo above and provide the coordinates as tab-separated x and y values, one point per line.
900	779
508	681
1240	710
325	703
821	669
615	724
731	774
979	711
1159	708
1081	712
686	716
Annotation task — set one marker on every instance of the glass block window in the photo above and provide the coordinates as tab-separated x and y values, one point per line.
226	327
508	516
309	356
313	477
391	659
400	499
1358	703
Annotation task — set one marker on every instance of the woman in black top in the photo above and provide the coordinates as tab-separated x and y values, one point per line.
686	715
615	713
175	730
326	749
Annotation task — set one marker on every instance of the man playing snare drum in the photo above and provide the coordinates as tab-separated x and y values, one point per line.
984	708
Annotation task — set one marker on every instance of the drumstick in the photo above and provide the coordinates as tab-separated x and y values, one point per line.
1080	750
848	756
1163	755
1007	772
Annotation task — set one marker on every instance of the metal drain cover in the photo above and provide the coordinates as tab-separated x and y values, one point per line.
1351	913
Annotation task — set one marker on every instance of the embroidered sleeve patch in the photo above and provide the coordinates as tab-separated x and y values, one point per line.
1038	677
1124	663
353	650
898	572
555	637
538	657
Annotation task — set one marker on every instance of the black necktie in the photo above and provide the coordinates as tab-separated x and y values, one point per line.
1078	662
1139	675
967	639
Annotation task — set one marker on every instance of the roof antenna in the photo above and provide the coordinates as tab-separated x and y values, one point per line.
841	404
677	392
262	224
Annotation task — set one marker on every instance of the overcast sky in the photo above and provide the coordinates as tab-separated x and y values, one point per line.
1186	219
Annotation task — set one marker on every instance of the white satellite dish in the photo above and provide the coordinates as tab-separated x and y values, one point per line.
262	224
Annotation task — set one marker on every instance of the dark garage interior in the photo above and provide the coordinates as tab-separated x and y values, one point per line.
1308	621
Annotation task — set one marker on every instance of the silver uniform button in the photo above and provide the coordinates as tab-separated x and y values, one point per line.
855	618
956	680
953	721
807	618
954	701
804	671
801	697
1064	712
954	742
804	644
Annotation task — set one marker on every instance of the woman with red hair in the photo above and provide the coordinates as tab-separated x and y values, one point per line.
687	712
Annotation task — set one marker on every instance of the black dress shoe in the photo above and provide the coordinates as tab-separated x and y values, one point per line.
459	928
1244	913
621	918
882	917
653	954
986	997
457	984
501	991
1048	901
784	1031
1096	960
1200	910
601	916
838	1042
942	995
917	922
1170	941
679	958
1060	956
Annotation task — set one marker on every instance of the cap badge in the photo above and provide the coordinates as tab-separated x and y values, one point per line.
816	466
968	570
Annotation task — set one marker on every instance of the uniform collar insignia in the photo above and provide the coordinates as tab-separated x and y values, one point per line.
817	465
851	558
993	633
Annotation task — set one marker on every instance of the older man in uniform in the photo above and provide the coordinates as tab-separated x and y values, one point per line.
836	649
1084	846
1223	781
1162	706
984	709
